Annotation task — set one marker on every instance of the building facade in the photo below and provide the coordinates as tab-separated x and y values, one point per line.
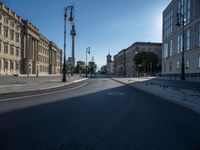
174	41
43	53
23	49
10	41
124	61
54	59
109	65
30	48
120	63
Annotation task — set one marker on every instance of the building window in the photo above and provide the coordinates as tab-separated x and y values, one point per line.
5	31
166	47
178	64
187	64
184	8
11	34
17	37
199	33
17	65
188	39
17	27
5	20
17	51
188	11
5	64
12	24
170	48
179	43
168	24
199	61
11	50
11	65
5	48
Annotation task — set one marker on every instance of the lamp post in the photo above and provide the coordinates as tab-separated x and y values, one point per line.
136	52
73	34
65	20
87	52
181	23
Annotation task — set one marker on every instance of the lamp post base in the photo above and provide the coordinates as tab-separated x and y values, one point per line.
182	78
64	80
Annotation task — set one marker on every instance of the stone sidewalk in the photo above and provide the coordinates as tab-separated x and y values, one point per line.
179	94
10	84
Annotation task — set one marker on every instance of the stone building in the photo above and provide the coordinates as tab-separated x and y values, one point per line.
131	68
120	63
109	65
54	59
23	49
173	39
124	63
30	48
10	41
44	46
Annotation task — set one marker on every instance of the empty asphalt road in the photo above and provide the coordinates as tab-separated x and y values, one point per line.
97	114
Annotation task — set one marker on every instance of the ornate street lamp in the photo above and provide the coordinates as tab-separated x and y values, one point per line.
73	34
181	23
71	21
87	52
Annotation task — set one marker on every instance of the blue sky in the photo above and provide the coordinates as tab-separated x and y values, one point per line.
104	25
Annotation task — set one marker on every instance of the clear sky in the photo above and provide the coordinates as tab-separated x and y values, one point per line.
104	25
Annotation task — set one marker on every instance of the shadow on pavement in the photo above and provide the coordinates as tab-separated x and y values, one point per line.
118	118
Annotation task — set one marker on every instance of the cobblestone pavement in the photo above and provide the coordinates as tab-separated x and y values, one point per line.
183	93
10	84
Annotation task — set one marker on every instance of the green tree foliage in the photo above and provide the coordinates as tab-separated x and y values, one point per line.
69	66
103	70
148	61
92	67
80	67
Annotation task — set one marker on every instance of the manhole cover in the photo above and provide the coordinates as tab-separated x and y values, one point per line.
116	93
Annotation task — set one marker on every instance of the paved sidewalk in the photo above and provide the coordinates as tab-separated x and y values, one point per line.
177	92
10	84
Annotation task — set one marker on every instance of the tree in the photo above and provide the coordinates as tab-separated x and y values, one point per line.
80	67
103	70
92	67
69	66
147	61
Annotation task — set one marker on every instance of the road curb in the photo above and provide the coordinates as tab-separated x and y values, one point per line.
47	88
180	103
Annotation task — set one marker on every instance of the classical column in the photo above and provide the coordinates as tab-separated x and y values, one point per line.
37	54
34	49
29	47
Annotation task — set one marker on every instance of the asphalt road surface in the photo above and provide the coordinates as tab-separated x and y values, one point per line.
97	114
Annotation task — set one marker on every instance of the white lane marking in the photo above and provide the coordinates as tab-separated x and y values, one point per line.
43	94
80	80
